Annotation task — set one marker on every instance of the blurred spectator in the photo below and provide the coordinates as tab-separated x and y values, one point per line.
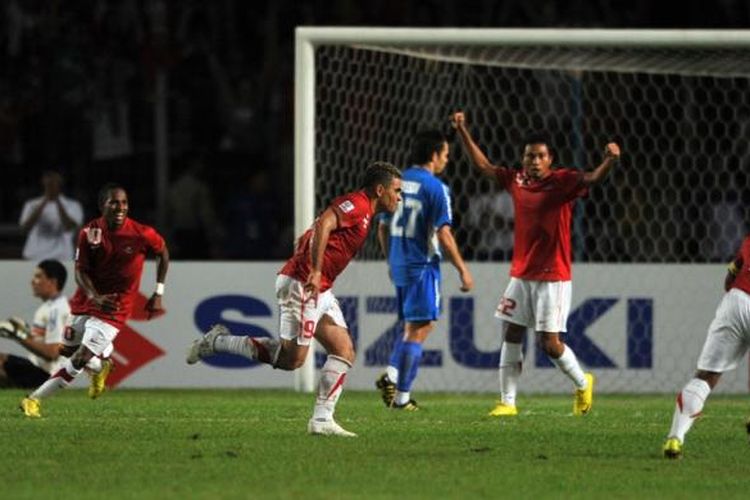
50	221
194	231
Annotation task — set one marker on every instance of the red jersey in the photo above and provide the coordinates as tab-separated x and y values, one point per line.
742	263
541	250
113	259
354	213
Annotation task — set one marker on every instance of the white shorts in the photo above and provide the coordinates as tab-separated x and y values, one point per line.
728	336
95	334
298	316
541	305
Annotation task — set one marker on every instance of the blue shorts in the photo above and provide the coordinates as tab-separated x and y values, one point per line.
420	301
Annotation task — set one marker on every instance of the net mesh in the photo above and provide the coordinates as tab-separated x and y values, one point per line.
681	117
680	194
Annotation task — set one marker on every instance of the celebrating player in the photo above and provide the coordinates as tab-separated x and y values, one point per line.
307	305
726	343
109	262
409	239
539	293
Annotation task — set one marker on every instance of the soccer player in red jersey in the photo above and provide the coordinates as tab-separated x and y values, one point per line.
727	342
307	305
109	261
539	293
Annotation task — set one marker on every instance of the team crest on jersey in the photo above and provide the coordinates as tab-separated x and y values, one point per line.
93	236
347	206
128	250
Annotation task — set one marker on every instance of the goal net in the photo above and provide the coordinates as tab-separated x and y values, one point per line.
677	103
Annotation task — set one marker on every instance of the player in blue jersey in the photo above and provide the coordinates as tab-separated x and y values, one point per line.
414	239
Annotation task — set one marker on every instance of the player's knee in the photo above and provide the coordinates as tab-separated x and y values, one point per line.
348	355
514	333
80	358
711	378
552	346
290	360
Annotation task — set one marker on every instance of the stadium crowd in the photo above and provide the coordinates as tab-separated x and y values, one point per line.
79	82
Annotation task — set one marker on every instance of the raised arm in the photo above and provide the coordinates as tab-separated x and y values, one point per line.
480	161
30	216
611	156
68	222
448	243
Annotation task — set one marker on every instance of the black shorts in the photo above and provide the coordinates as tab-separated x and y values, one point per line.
23	373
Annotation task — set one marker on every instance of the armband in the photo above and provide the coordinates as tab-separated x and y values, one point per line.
159	289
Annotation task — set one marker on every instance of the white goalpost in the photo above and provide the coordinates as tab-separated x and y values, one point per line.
677	99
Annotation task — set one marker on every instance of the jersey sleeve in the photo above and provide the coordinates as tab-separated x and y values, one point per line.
39	322
83	253
443	214
154	241
571	183
58	318
349	210
504	176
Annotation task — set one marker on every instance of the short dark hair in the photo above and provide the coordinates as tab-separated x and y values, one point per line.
379	173
426	143
105	190
54	270
539	138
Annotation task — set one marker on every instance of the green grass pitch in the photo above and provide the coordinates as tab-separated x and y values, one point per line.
253	444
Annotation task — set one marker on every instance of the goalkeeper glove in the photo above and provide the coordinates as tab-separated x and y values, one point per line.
14	328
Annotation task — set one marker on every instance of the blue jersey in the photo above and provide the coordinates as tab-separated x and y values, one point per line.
425	208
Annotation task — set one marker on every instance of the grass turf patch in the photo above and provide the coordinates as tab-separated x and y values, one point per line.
253	444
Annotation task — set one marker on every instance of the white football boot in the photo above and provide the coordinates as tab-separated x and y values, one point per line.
204	346
327	428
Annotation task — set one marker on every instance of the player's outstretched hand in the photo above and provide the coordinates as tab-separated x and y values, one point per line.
612	150
153	306
467	281
458	119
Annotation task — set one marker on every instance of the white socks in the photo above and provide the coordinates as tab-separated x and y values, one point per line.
688	407
58	380
568	364
511	360
392	373
401	398
264	349
331	383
